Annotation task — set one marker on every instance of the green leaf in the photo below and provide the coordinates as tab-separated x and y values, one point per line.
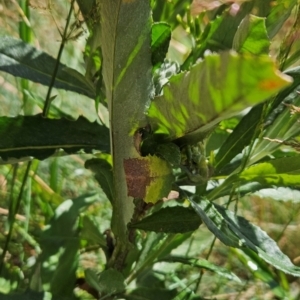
103	174
161	36
258	241
36	136
90	232
283	128
169	220
251	36
203	264
216	223
60	244
239	138
149	178
237	232
214	89
111	281
283	171
169	152
23	60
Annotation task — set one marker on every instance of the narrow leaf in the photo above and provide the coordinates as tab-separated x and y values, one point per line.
214	89
170	219
278	15
39	137
239	138
60	245
23	60
237	232
257	240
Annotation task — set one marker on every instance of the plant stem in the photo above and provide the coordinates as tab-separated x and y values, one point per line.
8	238
61	48
126	70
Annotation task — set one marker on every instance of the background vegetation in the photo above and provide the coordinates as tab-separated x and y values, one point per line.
201	267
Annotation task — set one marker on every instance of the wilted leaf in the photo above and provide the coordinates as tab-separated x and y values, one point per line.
23	60
39	137
170	219
149	178
214	89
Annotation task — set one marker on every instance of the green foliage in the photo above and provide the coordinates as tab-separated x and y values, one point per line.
196	121
22	60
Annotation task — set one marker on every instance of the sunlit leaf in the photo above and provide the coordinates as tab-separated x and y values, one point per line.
23	60
283	171
214	89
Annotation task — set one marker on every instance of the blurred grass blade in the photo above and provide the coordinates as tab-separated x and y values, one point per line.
279	14
202	264
36	136
23	60
60	244
283	128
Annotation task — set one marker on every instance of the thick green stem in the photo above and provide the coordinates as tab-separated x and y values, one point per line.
125	40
